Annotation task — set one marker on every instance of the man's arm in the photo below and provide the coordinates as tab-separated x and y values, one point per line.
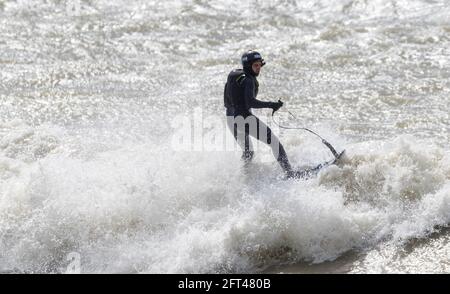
249	96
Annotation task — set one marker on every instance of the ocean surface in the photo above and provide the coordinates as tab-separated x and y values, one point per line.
112	127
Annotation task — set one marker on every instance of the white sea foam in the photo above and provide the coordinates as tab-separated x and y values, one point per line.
141	208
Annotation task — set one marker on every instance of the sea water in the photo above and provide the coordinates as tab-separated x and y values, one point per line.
113	143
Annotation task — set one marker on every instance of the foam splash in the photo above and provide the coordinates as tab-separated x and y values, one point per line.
121	211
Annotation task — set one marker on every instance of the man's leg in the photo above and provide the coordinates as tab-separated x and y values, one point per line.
264	134
241	135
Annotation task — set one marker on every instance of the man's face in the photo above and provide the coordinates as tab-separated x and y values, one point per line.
256	67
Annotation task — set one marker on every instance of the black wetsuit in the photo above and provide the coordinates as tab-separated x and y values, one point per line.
240	94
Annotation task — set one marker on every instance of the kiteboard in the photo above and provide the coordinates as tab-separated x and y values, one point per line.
311	172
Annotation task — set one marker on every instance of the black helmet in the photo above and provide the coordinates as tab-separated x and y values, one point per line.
249	57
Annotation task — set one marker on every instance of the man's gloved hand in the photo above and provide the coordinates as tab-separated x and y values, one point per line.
276	105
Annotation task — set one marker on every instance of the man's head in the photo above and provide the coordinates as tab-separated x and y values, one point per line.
252	62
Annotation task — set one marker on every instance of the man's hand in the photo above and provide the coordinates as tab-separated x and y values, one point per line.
276	106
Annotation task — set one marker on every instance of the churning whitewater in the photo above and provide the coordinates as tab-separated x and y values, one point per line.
97	97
